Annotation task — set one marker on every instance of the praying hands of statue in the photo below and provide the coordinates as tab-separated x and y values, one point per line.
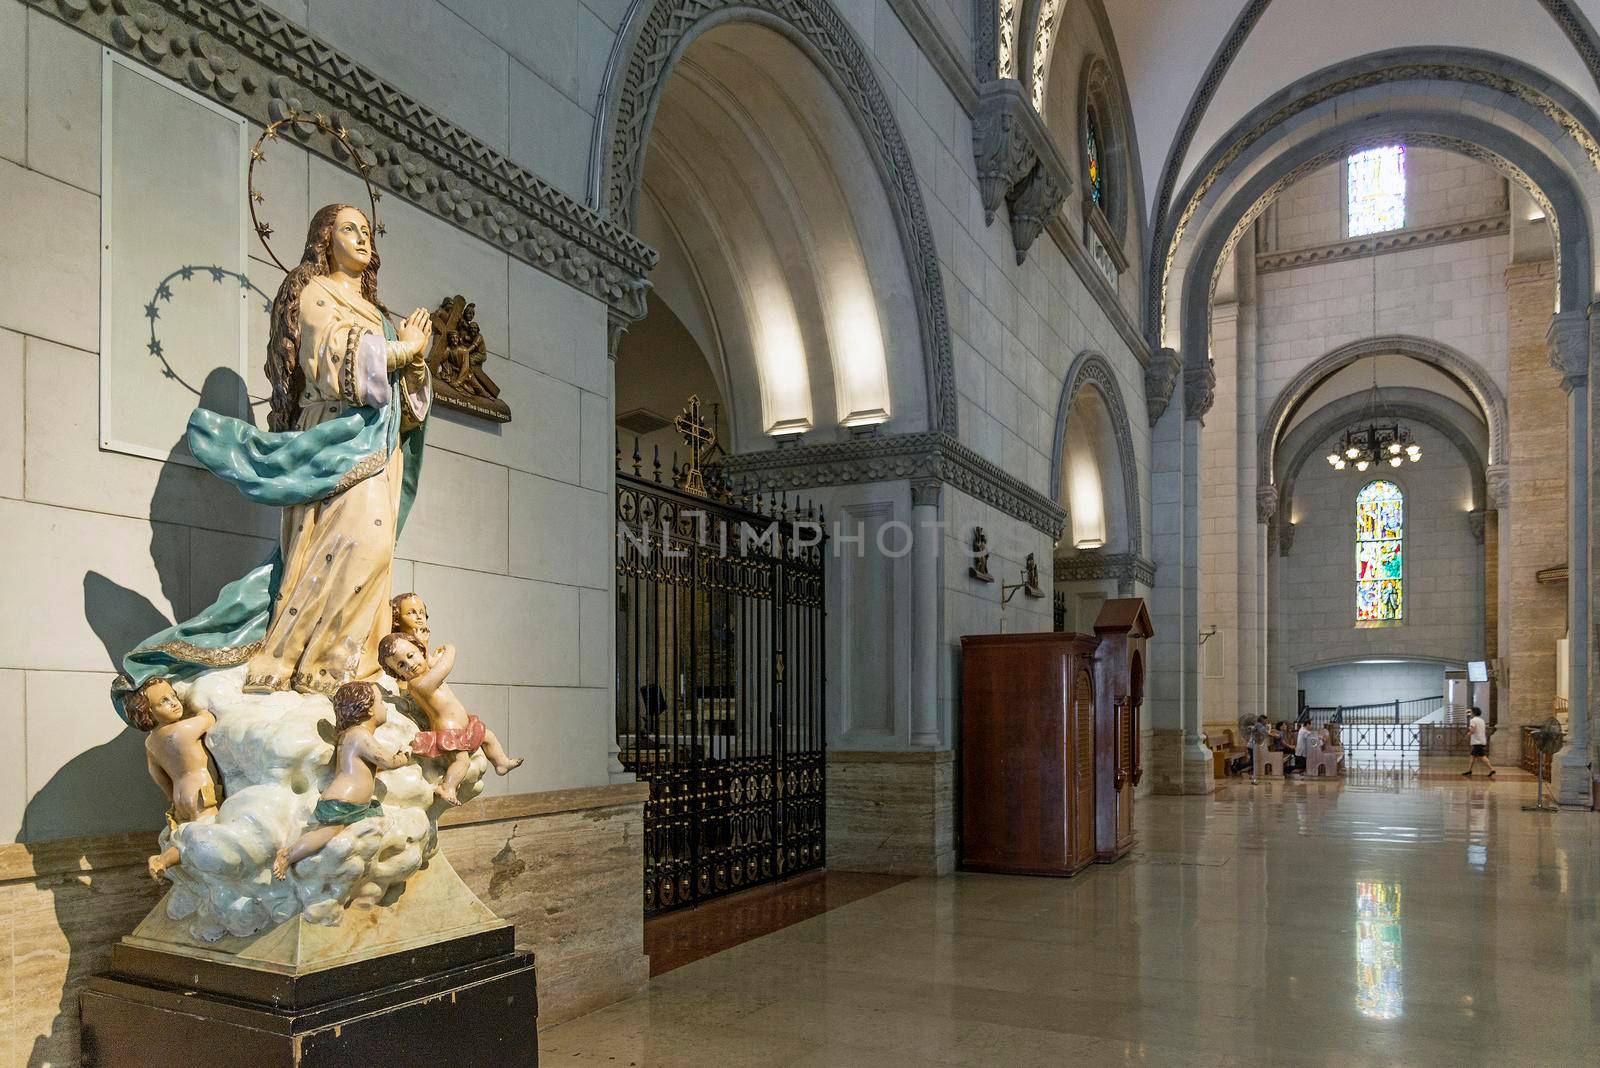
414	332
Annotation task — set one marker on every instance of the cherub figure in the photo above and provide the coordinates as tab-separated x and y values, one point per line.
453	729
358	710
411	619
176	755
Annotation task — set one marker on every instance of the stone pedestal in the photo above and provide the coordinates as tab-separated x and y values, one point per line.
469	1000
891	812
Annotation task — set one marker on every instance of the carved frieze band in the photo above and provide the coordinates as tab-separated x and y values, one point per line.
255	62
1355	248
1017	162
1089	567
923	458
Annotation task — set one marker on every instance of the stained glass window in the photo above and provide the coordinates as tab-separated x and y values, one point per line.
1380	552
1091	151
1377	190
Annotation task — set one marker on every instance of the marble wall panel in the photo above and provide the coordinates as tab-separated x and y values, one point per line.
65	465
549	133
597	615
891	812
460	515
93	585
13	81
542	436
14	764
543	41
11	407
86	768
597	435
50	260
562	733
509	631
63	103
426	50
577	556
489	703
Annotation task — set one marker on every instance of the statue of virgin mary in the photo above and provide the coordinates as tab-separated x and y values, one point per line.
341	457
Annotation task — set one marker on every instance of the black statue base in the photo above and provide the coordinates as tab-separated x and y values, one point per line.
468	1001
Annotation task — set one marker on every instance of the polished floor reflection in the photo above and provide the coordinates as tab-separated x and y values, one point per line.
1408	918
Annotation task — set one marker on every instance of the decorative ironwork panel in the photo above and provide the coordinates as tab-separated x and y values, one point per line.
720	673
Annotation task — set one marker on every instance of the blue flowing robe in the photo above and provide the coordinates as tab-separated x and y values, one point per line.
349	472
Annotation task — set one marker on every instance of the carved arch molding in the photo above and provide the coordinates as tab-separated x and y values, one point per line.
1092	369
641	62
1479	386
1578	31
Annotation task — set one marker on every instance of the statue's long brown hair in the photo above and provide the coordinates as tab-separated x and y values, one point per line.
283	345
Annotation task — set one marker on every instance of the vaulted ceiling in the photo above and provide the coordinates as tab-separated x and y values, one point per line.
1206	63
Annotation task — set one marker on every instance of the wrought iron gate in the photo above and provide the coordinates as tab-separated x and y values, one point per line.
720	675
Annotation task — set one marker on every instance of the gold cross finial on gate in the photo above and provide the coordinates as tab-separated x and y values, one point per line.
700	437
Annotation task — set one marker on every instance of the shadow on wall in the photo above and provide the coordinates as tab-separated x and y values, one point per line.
107	789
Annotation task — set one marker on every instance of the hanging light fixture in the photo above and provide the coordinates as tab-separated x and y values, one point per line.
1376	438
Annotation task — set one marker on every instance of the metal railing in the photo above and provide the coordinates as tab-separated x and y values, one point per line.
1389	725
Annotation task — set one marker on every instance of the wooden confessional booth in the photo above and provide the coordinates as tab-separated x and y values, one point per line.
1050	744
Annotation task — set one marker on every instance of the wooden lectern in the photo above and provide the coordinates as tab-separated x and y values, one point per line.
1123	627
1028	753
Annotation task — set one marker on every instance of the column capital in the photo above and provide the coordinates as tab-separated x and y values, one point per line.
1497	480
1567	340
1285	538
1160	378
1199	387
1475	520
1266	502
925	492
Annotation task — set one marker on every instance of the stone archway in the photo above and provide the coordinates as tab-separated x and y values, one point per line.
642	60
1491	401
1541	136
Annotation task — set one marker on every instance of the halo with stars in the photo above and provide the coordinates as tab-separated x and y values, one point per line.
322	123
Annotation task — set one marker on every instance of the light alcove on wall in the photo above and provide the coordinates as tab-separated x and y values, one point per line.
1093	486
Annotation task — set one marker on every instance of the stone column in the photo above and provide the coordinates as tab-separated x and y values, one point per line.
1168	647
1199	388
1568	339
616	326
1533	508
926	537
1223	488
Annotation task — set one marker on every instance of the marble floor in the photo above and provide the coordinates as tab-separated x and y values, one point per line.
1411	918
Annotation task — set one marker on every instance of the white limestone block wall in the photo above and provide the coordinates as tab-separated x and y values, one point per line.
1313	603
106	548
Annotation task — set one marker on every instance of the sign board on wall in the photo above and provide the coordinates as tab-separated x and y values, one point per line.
174	291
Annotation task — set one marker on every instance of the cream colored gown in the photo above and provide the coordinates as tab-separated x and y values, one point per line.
332	606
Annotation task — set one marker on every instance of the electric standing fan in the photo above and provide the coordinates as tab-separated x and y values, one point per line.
1548	740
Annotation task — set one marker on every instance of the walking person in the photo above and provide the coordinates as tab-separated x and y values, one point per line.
1478	738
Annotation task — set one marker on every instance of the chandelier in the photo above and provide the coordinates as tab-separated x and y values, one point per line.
1376	438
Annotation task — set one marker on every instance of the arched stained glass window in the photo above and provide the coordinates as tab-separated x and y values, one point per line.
1376	185
1380	552
1091	152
